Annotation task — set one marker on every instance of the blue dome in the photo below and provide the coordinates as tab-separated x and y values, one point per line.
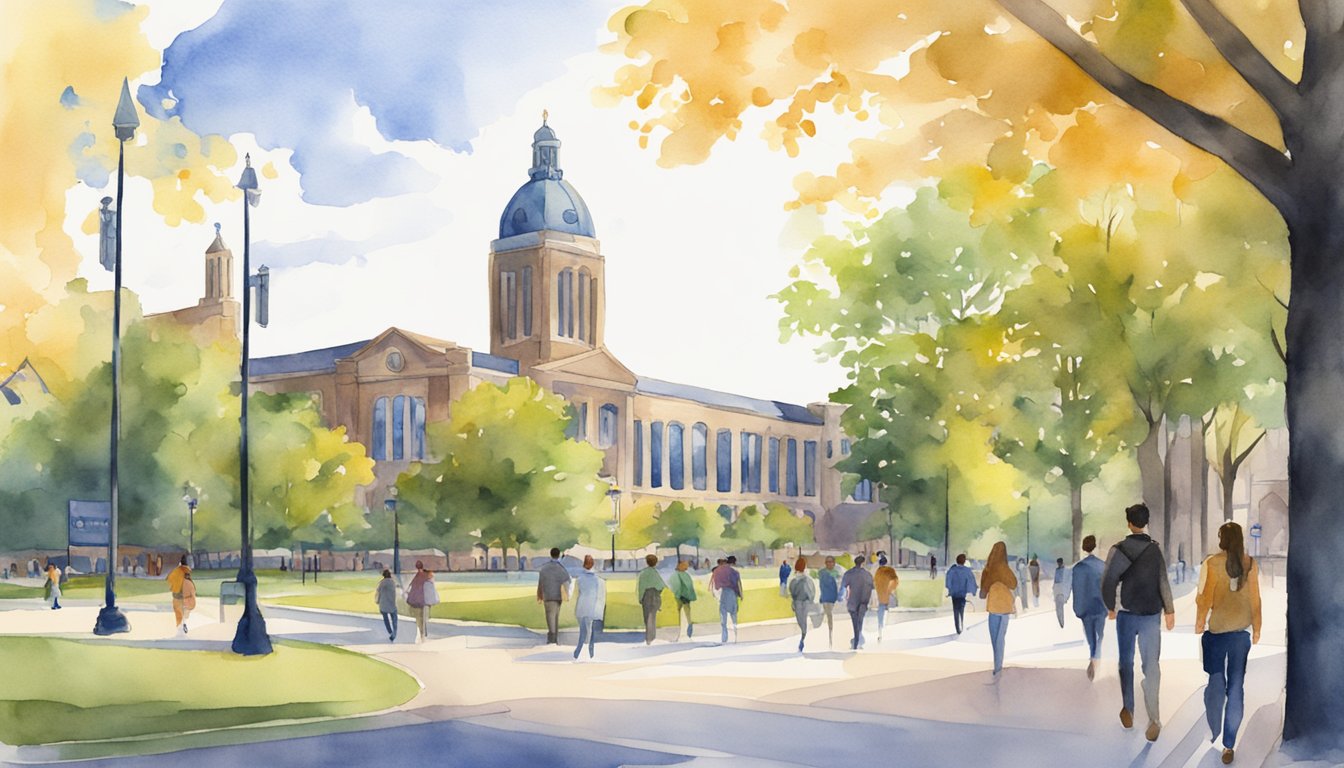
546	204
547	201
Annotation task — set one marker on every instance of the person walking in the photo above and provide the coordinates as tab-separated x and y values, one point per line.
933	567
997	584
828	583
1022	581
552	590
885	582
857	585
1085	585
960	582
1034	569
1060	589
175	579
784	571
418	597
727	585
386	598
1136	568
188	600
683	591
1228	603
803	593
54	586
590	605
649	588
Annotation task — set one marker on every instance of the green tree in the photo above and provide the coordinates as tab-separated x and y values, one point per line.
680	524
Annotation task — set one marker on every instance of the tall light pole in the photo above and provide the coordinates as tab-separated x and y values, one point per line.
614	493
124	122
191	537
251	638
391	504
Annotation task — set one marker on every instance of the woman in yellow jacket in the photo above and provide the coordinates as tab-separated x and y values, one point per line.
1229	602
997	585
884	581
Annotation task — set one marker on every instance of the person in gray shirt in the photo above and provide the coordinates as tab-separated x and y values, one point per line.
386	597
857	585
552	590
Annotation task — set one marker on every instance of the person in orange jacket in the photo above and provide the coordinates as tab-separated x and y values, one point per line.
176	578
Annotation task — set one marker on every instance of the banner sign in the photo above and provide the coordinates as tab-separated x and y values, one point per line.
89	523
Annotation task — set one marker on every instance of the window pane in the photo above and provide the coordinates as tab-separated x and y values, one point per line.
810	468
724	461
656	454
418	419
844	446
378	435
607	424
398	427
638	450
829	449
699	449
774	465
569	303
560	296
592	311
676	462
527	301
583	421
755	463
511	296
791	467
583	306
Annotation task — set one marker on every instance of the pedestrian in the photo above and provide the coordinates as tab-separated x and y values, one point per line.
1085	584
649	587
1034	568
1060	590
857	585
53	586
175	579
1229	599
552	590
997	584
1022	581
683	591
803	593
418	597
727	585
885	582
933	567
590	605
960	582
1136	567
784	571
386	598
188	600
828	582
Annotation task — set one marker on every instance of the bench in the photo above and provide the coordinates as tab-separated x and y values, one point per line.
230	592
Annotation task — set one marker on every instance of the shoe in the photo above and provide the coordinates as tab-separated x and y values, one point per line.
690	631
993	679
1227	757
1154	729
1092	669
800	646
1126	718
184	628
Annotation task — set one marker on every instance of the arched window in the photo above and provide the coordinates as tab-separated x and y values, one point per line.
863	491
592	310
508	300
527	301
398	427
810	468
638	453
585	330
418	424
564	303
699	449
676	457
750	479
656	454
773	458
378	435
723	481
791	467
608	425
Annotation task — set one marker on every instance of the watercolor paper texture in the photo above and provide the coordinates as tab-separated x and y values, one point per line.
694	382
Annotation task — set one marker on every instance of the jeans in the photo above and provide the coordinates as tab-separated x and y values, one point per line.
588	629
552	621
684	606
998	635
856	615
959	612
390	621
1094	627
881	617
727	607
802	613
828	610
1059	610
1225	660
651	601
422	620
1147	630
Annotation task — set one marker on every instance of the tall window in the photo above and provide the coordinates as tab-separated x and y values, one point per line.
581	419
418	424
829	448
398	427
844	446
583	305
774	465
863	491
699	448
592	311
656	454
750	481
527	301
508	291
608	425
724	460
791	467
810	468
676	457
638	450
379	432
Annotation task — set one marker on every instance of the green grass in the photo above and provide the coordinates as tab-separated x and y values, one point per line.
64	690
9	591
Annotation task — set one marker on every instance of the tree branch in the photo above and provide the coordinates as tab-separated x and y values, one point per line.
1278	346
1276	89
1237	464
1265	167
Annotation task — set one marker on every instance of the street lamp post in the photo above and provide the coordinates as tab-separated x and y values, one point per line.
614	493
251	638
110	619
191	536
391	504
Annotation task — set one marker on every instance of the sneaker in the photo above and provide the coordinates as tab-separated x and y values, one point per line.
1126	718
800	646
1227	756
1092	669
1154	730
184	628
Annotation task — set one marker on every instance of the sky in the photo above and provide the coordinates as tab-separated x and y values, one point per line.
390	136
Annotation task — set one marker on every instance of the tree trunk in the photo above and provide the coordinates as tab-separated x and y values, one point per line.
1199	485
1229	481
1165	538
1314	711
1076	507
1150	469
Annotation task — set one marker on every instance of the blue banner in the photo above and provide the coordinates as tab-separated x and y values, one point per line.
90	523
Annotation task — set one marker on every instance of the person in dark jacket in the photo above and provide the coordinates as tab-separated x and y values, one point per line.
386	597
857	585
552	590
1137	569
960	582
784	572
1085	586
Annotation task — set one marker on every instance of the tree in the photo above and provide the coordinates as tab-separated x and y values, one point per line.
506	475
788	528
681	524
1232	435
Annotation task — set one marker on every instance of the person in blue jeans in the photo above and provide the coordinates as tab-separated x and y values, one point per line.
386	598
997	584
828	587
726	582
1229	599
1137	569
960	582
1085	586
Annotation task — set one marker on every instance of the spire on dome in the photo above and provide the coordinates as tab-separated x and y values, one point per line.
545	152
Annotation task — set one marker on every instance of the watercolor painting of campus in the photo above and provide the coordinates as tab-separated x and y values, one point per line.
693	382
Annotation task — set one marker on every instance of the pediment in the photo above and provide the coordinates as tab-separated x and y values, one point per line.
598	364
417	353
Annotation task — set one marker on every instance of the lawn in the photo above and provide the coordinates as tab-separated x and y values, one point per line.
65	690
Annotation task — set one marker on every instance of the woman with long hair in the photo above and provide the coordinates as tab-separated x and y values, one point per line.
997	585
1229	602
803	592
